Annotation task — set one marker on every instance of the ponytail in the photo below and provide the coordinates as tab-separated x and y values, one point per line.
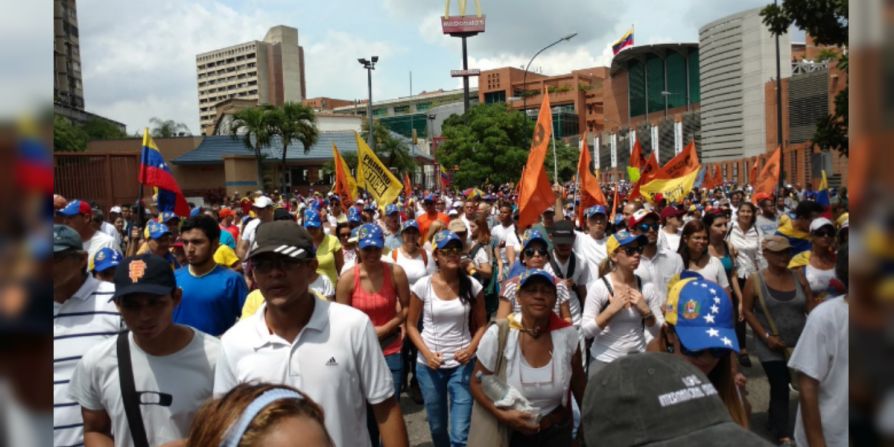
606	266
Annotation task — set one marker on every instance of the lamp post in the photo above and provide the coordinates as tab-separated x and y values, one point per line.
525	76
370	65
779	116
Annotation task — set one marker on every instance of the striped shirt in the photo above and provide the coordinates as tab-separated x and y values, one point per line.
79	323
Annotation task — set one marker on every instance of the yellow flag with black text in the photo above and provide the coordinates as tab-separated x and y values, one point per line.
374	177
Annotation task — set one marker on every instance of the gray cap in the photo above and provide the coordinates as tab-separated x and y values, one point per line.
66	238
658	399
283	237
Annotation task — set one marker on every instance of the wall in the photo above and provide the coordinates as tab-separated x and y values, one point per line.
170	148
240	174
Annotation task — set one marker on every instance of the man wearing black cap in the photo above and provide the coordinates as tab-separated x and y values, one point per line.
82	317
568	267
171	366
328	350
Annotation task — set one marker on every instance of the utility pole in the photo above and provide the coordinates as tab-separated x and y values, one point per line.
779	115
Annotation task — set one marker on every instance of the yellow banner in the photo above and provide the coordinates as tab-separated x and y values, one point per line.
374	177
674	190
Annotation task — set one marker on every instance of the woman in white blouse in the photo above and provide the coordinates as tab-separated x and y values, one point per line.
746	242
619	308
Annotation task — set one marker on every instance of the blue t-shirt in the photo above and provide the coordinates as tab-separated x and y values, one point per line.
227	239
211	303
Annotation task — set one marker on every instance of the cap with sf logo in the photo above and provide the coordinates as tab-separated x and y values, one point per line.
149	274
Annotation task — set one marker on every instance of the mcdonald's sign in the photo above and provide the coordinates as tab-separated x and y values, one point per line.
462	25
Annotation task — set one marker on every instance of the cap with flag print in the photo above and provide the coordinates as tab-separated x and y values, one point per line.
701	313
155	172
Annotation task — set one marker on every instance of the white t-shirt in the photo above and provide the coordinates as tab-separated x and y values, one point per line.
99	241
323	286
822	353
668	240
713	271
445	322
110	230
580	276
659	269
248	234
591	250
624	333
500	234
766	226
82	321
336	360
415	268
545	387
171	387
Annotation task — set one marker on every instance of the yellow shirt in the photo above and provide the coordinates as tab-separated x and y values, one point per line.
225	256
326	257
254	300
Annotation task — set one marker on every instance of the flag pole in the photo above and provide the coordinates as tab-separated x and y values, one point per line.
555	159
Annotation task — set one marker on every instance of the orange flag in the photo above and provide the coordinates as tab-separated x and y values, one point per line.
647	173
710	177
768	179
408	188
535	194
752	174
590	192
683	163
345	185
718	176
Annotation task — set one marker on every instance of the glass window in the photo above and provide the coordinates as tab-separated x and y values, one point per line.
676	80
694	91
402	109
655	83
423	106
636	87
497	97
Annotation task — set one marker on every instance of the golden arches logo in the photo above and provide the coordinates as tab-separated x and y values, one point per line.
462	8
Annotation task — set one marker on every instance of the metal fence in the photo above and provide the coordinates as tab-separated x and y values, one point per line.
104	179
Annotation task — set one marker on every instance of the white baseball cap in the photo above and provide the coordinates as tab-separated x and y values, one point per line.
115	209
820	222
262	202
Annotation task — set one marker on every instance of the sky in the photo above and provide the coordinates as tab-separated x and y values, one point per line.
138	56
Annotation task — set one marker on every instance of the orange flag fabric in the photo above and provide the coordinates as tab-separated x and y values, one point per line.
647	173
752	173
535	194
683	163
408	188
768	179
345	185
710	177
590	191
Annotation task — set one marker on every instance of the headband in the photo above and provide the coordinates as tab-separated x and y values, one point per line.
234	434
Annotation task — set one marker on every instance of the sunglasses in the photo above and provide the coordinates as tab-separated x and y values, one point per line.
267	265
644	227
717	353
344	235
630	250
450	251
824	233
531	252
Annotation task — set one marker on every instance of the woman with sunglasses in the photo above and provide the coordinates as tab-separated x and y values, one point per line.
620	308
534	255
330	255
786	296
696	257
818	264
451	307
700	327
381	291
543	362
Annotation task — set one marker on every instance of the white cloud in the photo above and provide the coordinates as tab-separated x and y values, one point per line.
332	70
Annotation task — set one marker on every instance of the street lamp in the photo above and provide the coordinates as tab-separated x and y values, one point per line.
370	65
525	76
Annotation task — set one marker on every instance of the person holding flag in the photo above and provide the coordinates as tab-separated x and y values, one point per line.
155	172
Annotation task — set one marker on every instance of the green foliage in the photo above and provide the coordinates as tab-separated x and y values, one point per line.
567	165
488	144
100	129
293	121
68	137
393	152
253	127
168	128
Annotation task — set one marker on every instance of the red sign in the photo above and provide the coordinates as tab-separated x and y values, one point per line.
462	24
463	73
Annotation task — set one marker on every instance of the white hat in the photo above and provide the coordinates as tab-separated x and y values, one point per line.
453	212
360	202
820	222
262	202
115	209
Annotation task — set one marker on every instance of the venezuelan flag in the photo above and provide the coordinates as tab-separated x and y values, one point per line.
625	41
822	193
155	172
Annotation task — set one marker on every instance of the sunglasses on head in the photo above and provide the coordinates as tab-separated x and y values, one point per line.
644	227
717	353
630	250
531	252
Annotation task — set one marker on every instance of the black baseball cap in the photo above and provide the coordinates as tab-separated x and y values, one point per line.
284	237
147	273
658	399
562	232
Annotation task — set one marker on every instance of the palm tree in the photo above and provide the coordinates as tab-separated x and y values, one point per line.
168	128
293	121
253	126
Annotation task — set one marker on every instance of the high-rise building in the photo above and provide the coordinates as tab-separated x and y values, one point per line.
267	72
737	56
67	87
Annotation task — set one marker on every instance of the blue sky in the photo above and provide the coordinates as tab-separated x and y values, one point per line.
138	56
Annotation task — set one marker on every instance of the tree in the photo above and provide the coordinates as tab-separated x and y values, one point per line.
68	137
393	152
252	125
827	22
100	129
567	165
487	144
293	121
168	128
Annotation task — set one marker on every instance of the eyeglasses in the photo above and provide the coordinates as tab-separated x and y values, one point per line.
824	233
630	250
531	252
283	263
717	353
450	251
644	227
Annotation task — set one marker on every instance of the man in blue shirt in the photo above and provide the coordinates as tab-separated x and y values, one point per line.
212	295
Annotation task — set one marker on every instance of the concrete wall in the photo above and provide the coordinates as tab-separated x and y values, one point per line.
240	174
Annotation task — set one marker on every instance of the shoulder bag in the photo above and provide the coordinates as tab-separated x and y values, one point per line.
129	393
485	429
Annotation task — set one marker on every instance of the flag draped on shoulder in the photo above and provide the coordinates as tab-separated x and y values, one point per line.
155	172
675	179
374	177
535	194
822	192
345	185
768	179
590	192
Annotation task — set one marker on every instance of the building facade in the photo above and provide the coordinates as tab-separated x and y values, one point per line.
270	71
737	56
68	89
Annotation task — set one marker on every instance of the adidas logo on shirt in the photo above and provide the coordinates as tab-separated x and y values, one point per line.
331	362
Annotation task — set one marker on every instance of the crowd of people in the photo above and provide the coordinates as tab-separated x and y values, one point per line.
273	319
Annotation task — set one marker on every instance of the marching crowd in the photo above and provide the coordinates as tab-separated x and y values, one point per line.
272	319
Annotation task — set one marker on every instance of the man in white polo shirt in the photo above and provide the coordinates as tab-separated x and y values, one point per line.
327	350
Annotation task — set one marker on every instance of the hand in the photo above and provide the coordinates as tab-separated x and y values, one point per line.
740	380
569	283
135	233
521	421
775	343
616	303
464	355
434	360
635	298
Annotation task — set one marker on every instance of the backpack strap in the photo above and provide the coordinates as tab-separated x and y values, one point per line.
129	393
555	265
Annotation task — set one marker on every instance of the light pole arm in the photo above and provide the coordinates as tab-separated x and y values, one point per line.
525	76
